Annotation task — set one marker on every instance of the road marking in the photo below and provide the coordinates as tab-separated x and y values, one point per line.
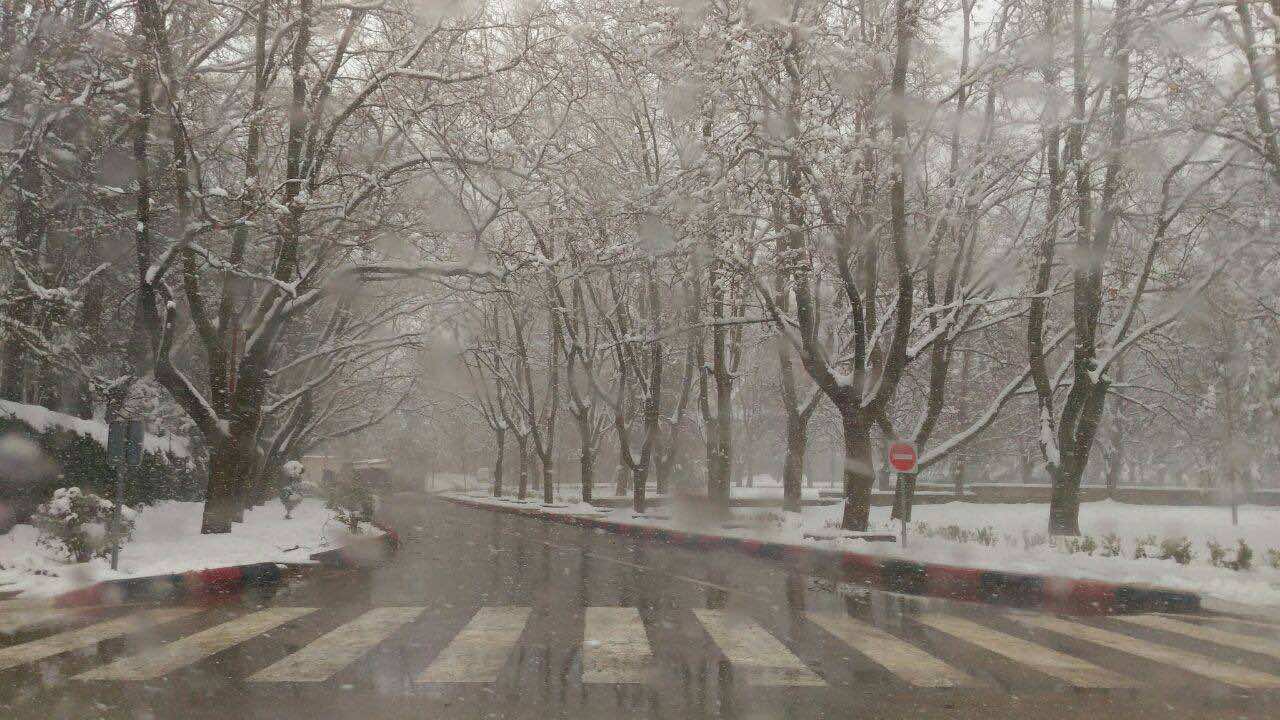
615	648
1071	670
324	657
88	636
1225	672
25	620
904	660
635	566
480	651
1260	645
756	656
156	662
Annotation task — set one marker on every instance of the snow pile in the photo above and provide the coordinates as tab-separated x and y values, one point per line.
42	419
1015	540
167	539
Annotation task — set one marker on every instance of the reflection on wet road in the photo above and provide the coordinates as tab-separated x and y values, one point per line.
490	615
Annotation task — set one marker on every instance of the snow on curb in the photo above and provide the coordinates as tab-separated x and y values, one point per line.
1027	590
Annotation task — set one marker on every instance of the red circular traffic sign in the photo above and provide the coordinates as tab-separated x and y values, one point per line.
902	457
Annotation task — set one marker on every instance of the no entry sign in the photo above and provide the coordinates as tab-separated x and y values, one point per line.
902	457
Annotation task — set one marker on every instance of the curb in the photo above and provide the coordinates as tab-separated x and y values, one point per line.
218	581
196	583
995	587
361	552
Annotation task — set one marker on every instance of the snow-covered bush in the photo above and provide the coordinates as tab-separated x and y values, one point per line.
78	524
291	491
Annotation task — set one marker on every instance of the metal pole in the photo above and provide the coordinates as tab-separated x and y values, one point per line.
115	514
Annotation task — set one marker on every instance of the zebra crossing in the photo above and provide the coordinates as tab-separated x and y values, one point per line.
616	647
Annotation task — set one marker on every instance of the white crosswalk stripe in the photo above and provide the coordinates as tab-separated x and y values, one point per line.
906	661
324	657
85	637
480	651
159	661
18	621
1071	670
1225	672
756	657
1251	643
615	648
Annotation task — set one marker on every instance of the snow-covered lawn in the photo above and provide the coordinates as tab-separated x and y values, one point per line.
1017	542
167	539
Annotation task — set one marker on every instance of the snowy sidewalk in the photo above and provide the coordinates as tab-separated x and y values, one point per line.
167	540
1002	538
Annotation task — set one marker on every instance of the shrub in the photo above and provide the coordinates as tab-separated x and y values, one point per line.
348	498
1033	540
1177	549
78	524
986	536
1273	558
1111	545
291	487
1140	548
1244	556
81	461
1217	554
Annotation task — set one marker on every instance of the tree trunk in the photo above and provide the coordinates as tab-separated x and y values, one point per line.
1064	503
858	476
548	484
958	475
523	490
500	436
587	462
220	496
28	222
793	465
639	479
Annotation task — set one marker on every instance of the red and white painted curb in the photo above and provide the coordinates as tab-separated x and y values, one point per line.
224	580
1026	590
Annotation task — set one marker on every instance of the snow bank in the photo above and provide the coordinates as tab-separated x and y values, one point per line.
1020	545
42	419
167	539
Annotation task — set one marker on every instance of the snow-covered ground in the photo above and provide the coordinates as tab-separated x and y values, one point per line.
1016	539
167	539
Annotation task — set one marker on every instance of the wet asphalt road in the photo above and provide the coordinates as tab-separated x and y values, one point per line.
486	615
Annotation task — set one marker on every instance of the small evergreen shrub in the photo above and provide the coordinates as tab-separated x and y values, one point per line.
1111	545
78	524
1273	558
1244	556
1143	546
1217	554
1177	549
